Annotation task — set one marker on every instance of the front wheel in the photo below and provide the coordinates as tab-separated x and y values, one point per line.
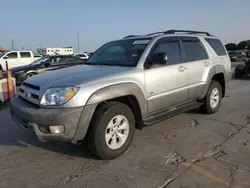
111	130
213	98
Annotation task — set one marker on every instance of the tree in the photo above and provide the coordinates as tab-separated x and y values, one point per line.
231	46
243	44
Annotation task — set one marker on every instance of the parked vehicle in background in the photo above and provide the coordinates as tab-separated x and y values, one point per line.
247	58
16	58
84	56
125	84
233	56
55	51
46	63
243	70
37	56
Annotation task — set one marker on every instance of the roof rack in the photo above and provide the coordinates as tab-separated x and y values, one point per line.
129	36
186	31
173	32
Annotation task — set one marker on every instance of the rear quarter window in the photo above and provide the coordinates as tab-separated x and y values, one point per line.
217	46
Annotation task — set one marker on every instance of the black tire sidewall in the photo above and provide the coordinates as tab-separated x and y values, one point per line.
208	106
101	147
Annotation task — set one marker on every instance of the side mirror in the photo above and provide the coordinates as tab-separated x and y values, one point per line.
158	59
6	57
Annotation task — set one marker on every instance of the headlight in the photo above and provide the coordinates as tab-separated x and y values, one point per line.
58	96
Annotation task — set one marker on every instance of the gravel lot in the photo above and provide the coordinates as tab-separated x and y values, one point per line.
186	151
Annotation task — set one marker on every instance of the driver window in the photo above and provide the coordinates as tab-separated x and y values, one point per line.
172	49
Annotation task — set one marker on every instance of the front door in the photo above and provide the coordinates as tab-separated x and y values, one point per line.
166	85
13	59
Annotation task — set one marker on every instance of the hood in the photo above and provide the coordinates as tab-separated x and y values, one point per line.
21	68
74	76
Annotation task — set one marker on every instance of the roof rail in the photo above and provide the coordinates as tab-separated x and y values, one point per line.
173	32
186	31
131	36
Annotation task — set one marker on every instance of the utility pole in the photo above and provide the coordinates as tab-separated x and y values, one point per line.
22	47
13	45
78	44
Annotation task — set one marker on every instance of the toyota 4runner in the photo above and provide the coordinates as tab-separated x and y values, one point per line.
125	84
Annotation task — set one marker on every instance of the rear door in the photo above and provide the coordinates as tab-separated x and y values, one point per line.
197	62
25	58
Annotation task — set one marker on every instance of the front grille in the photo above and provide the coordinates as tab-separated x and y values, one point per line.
31	86
29	103
30	94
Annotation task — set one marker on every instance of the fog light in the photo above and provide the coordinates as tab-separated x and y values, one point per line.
57	129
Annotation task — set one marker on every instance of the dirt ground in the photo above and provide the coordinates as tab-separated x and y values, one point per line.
186	151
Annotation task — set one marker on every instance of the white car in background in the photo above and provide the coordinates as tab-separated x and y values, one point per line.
16	59
82	55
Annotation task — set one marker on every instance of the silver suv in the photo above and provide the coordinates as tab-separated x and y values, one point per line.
125	84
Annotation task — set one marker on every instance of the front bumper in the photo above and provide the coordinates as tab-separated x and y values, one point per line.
28	116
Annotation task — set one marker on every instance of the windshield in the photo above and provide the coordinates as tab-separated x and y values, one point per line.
2	54
40	61
119	53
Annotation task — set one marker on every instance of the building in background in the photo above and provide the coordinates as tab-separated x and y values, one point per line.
53	51
2	50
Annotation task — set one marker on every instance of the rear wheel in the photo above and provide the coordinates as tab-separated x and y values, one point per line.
213	98
239	71
111	130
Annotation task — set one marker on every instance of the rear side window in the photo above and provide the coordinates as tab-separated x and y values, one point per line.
217	46
191	50
25	54
12	55
172	50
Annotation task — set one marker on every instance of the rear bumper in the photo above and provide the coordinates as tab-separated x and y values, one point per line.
28	116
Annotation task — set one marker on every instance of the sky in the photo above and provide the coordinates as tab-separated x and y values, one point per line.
55	23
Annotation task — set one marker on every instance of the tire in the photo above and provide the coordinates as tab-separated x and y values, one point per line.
239	71
98	136
208	107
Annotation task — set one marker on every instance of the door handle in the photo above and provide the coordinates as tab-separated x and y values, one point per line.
181	68
206	63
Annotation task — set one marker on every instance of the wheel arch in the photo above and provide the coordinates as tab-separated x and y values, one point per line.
217	73
129	93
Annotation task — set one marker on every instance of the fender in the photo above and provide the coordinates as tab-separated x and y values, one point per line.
32	71
119	90
104	94
213	71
